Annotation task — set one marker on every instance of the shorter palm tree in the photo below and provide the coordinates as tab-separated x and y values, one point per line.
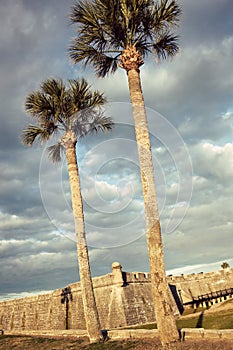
74	111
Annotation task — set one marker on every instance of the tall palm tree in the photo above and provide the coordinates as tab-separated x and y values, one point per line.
75	111
121	33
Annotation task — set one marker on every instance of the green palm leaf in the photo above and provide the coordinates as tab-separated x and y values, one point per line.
107	27
38	104
32	132
165	46
91	121
55	152
59	107
102	61
53	88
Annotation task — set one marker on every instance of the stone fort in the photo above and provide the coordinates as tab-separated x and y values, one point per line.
123	299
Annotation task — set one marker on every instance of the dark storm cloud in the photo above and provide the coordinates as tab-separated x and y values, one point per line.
205	21
33	46
194	90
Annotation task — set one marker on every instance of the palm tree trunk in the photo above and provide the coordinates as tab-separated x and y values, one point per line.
89	304
163	309
67	313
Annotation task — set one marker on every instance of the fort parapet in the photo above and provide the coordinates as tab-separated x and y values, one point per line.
203	288
123	299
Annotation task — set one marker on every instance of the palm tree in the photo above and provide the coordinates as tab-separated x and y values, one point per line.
225	265
75	111
121	33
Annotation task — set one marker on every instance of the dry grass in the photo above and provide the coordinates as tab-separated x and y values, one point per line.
56	343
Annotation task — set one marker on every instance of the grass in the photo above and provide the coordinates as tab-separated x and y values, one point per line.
191	311
113	345
221	318
31	343
21	342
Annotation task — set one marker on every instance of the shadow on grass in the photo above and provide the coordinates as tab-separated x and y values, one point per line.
200	320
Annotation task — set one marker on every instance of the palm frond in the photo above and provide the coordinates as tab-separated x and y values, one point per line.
166	14
56	94
100	35
93	123
55	152
53	88
38	104
91	120
72	107
48	105
99	23
101	62
82	12
166	46
32	132
106	65
96	99
80	91
106	27
101	123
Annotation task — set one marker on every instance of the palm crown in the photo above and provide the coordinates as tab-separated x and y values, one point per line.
107	27
60	108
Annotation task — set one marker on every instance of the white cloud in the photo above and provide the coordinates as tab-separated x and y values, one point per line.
198	268
214	161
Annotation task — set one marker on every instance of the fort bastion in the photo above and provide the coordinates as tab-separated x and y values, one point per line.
123	299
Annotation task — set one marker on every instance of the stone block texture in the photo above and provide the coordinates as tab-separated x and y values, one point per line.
122	298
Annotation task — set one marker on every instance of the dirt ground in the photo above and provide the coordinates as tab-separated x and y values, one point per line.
66	343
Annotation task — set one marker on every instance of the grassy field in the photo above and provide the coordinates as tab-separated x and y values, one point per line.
217	318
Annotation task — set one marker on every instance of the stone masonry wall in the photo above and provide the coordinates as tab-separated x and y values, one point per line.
122	299
192	286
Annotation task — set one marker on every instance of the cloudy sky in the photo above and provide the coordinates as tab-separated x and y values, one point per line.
190	112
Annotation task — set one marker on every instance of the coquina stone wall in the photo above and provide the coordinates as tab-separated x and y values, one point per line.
203	286
122	298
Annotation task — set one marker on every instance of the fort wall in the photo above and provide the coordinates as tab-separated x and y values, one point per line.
203	286
123	298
